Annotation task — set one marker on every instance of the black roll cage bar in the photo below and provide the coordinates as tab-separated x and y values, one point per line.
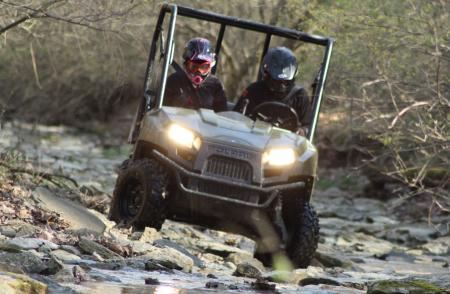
224	21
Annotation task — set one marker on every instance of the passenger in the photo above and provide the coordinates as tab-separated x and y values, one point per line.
195	87
279	68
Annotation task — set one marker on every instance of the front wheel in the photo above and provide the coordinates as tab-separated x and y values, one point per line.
305	236
139	197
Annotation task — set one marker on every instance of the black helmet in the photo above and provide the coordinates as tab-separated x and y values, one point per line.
199	59
198	49
279	68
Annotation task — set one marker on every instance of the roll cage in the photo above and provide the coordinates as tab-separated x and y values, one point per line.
224	21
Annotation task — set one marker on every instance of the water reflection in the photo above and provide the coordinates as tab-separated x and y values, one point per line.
166	290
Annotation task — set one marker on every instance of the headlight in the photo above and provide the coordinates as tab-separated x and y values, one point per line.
183	137
279	157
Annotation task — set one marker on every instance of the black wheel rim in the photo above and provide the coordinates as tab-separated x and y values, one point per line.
132	199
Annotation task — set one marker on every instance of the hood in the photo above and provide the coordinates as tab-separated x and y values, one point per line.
232	128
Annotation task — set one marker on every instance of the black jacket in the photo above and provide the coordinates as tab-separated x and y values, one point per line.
179	92
259	92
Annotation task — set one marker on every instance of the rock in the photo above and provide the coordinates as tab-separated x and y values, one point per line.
167	243
291	277
161	265
65	256
247	269
238	258
6	267
12	283
141	247
76	215
329	260
8	231
71	249
440	246
17	244
364	243
54	265
79	274
151	281
411	235
215	285
111	265
45	249
317	281
404	286
217	248
26	261
149	235
168	258
261	284
89	246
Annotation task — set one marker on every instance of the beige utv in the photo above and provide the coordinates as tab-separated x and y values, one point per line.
223	170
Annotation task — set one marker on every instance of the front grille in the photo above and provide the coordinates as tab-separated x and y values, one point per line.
229	168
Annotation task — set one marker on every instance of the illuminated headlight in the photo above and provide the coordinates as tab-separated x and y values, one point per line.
279	157
184	137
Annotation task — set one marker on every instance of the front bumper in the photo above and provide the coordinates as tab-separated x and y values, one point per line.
179	171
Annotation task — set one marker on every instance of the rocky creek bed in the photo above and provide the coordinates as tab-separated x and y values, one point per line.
55	188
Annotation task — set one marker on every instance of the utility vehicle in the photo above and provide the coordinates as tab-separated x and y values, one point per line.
247	175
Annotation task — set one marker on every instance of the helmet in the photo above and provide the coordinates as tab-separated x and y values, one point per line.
198	60
279	68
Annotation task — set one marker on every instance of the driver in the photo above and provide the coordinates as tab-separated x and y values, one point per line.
279	68
195	87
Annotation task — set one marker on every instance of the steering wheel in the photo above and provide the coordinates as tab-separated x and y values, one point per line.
276	113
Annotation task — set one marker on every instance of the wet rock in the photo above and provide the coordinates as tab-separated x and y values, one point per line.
263	285
230	265
247	269
26	261
79	274
404	286
90	247
53	265
149	235
282	276
161	265
169	258
65	256
112	265
12	283
216	285
211	276
317	281
151	281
